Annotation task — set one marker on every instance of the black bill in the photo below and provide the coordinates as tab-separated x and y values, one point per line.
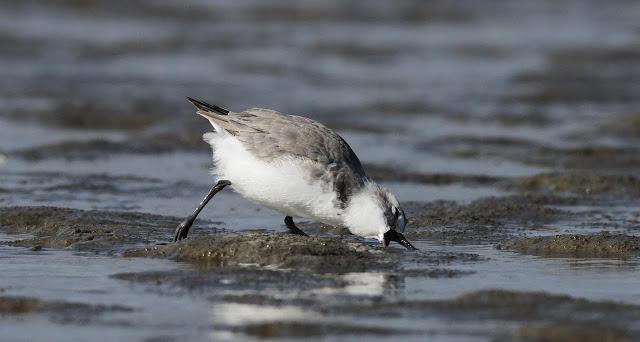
393	235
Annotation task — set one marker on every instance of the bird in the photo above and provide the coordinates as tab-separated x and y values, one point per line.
298	167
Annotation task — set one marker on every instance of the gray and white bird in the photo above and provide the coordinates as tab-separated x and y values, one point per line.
298	167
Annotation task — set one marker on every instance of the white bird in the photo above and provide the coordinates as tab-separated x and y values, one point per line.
298	167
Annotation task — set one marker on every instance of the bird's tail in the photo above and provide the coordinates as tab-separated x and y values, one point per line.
206	107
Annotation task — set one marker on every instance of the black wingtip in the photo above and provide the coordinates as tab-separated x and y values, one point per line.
207	107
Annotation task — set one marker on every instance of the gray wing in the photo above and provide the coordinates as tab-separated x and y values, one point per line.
268	134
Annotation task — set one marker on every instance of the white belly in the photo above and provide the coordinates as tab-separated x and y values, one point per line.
283	185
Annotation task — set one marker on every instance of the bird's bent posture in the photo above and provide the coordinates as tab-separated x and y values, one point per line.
298	167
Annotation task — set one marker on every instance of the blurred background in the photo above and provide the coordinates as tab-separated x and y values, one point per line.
499	88
442	100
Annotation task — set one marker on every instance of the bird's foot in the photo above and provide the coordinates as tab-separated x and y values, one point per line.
182	231
293	229
183	228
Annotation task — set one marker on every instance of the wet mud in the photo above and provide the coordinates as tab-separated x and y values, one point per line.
569	187
104	148
625	126
528	310
97	114
86	230
308	254
569	332
517	305
11	305
111	232
384	173
590	157
215	283
484	220
586	183
100	183
603	245
309	329
93	191
58	311
281	250
622	128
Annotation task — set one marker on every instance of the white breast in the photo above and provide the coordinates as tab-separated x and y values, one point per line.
283	184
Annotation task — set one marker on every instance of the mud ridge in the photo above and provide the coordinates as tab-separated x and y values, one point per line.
483	220
603	245
281	250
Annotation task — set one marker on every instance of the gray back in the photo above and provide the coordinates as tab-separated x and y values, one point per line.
269	134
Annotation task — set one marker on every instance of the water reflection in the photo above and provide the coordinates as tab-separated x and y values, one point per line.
235	314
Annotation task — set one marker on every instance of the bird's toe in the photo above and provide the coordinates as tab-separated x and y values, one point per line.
181	232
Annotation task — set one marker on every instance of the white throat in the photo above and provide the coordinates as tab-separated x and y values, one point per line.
364	216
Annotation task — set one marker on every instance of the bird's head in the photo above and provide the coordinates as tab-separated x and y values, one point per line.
375	212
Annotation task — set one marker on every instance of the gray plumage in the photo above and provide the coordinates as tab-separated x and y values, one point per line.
268	135
303	169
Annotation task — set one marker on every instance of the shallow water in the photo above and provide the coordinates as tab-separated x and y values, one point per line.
77	278
403	83
87	278
586	278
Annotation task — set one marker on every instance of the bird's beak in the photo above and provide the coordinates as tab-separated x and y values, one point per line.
393	235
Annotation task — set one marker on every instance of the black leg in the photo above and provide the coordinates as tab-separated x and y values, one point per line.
183	228
288	220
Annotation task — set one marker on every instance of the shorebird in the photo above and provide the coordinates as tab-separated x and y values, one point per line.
298	167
